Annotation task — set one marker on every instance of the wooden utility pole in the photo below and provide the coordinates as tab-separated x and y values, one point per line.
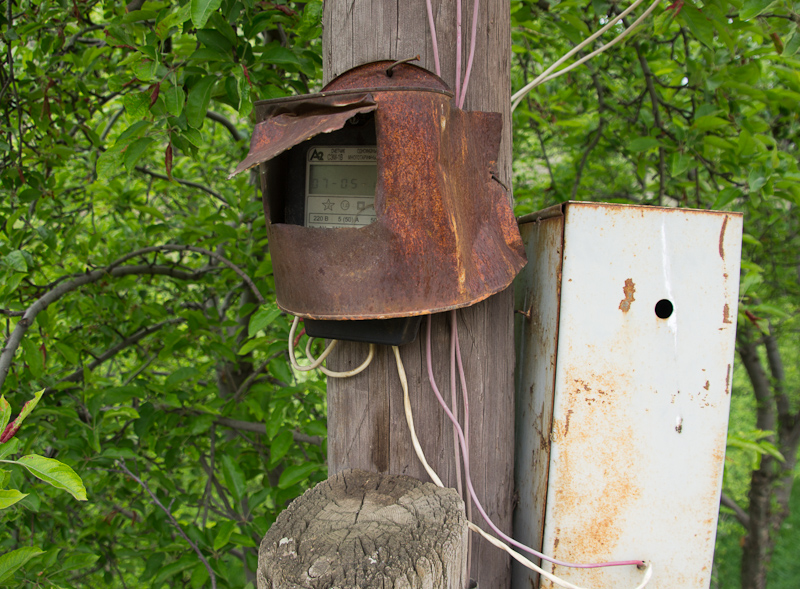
366	423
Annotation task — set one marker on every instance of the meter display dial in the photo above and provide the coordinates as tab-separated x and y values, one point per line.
340	186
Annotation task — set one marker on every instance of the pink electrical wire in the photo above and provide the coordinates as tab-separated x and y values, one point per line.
465	83
433	38
465	453
455	343
458	51
454	403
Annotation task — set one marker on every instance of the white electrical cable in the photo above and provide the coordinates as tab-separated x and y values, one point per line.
574	50
344	374
435	478
517	97
316	363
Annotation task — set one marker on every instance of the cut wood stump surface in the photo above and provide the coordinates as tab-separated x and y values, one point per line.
365	530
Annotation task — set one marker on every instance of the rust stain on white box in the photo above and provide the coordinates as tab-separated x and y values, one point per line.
638	306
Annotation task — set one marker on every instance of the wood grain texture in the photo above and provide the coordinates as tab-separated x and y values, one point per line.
366	422
367	530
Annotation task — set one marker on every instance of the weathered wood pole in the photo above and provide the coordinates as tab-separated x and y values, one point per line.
366	423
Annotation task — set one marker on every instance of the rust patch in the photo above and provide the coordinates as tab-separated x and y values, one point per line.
707	385
599	437
728	381
726	314
628	289
566	425
722	238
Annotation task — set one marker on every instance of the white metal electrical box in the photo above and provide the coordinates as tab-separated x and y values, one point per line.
625	334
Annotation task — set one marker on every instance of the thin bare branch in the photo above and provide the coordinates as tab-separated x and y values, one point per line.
225	122
127	342
261	428
741	514
188	183
199	250
173	521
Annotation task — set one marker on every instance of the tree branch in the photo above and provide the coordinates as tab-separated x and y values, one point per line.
748	352
172	520
77	376
182	248
260	428
189	183
215	116
114	270
741	514
654	100
587	151
778	378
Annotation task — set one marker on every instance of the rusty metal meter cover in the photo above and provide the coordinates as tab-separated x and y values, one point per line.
442	234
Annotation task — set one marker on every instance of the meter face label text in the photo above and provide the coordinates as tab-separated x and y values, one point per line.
340	186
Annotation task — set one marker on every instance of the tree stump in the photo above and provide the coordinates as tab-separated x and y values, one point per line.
362	529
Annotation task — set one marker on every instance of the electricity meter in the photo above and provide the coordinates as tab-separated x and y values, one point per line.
382	203
340	186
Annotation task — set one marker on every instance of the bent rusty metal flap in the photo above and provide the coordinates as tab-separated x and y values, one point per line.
445	235
302	121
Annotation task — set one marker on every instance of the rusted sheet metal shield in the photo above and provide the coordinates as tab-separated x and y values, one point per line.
445	235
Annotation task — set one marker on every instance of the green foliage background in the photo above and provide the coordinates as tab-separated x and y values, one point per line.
119	126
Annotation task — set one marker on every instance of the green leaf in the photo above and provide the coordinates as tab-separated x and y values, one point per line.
33	358
699	24
719	142
109	163
295	473
234	477
181	374
199	576
753	8
78	561
680	163
265	315
278	55
174	98
9	497
709	122
55	473
136	104
135	151
280	446
145	70
662	21
173	569
198	101
225	529
643	144
756	180
69	354
201	11
11	561
252	344
16	260
119	453
792	44
5	413
10	447
28	407
214	39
